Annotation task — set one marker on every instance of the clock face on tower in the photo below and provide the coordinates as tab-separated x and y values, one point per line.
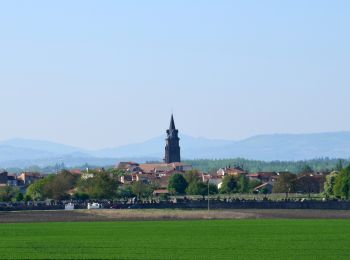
172	148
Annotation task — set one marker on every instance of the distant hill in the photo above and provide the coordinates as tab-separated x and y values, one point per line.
290	147
262	147
154	147
23	152
47	146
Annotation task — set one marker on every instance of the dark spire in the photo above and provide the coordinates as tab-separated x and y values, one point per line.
172	123
172	147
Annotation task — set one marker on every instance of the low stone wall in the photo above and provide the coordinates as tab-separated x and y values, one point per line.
20	208
202	204
336	205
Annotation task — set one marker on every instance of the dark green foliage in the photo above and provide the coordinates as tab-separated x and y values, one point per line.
253	184
329	183
7	193
19	196
195	184
60	185
243	184
115	172
81	196
192	176
37	190
53	186
324	164
342	184
229	184
285	183
27	198
125	192
141	190
265	190
192	188
202	189
177	184
213	189
236	184
101	186
339	165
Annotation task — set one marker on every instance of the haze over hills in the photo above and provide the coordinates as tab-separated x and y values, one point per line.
23	152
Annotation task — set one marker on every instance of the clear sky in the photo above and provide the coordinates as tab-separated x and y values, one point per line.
104	73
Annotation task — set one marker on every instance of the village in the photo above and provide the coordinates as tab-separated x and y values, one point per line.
158	175
129	183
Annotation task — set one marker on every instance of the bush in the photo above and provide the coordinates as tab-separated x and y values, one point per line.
177	184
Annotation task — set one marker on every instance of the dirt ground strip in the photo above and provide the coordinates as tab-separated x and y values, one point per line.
115	215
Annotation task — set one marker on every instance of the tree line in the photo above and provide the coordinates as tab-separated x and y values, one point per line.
320	165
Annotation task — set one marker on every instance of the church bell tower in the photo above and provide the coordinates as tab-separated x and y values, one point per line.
172	148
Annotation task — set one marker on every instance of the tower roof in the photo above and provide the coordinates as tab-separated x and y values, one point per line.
172	123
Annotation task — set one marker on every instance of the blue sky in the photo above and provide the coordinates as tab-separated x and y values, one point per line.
105	73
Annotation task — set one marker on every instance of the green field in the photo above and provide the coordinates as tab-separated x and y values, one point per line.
219	239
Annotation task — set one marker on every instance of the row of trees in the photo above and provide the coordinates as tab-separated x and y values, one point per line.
8	193
323	164
66	185
190	184
104	185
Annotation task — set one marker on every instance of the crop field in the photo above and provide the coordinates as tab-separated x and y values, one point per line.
194	239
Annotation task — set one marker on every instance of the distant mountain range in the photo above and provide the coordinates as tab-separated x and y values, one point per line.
24	153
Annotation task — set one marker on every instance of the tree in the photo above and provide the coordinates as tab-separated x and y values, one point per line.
213	189
192	176
307	184
116	172
101	186
57	188
193	182
265	190
125	192
141	189
243	184
19	196
27	198
329	183
53	186
37	189
342	184
192	189
285	183
253	184
177	184
202	189
339	165
7	193
229	184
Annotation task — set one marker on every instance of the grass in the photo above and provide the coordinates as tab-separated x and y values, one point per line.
215	239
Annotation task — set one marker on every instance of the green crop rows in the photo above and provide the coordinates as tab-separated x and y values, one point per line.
223	239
